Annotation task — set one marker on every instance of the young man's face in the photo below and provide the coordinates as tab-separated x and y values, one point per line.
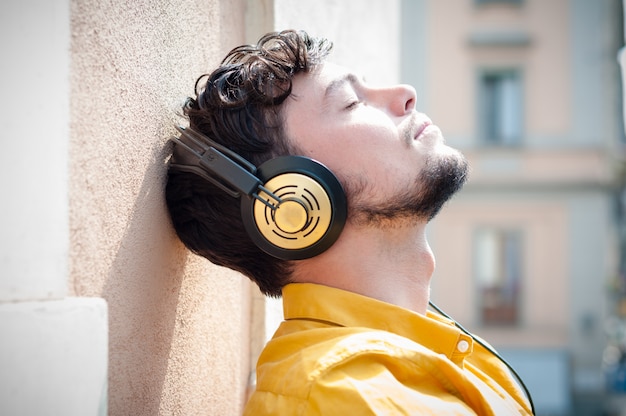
370	136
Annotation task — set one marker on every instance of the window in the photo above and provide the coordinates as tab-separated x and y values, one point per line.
501	107
498	261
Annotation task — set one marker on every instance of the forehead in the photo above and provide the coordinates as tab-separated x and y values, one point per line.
322	81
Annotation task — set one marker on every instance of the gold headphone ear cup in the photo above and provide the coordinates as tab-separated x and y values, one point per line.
310	215
303	216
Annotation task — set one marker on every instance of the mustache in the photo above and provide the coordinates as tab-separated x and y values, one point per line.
412	126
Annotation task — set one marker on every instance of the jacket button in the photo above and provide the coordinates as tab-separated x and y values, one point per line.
462	346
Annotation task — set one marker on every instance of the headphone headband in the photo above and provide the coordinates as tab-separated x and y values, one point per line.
292	207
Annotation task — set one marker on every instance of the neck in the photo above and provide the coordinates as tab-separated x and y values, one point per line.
391	264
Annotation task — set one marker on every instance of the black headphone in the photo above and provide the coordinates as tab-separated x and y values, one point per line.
293	206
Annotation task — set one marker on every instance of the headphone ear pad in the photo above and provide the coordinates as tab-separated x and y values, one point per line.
310	217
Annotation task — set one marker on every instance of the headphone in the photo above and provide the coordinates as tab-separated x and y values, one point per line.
292	207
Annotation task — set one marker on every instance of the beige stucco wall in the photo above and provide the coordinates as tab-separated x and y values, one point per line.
178	326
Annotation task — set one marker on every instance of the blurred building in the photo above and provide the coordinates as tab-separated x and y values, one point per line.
530	91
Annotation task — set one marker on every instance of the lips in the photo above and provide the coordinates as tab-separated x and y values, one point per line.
422	126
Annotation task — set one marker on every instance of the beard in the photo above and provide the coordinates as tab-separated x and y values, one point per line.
422	200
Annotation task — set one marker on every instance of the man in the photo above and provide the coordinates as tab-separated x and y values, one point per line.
357	337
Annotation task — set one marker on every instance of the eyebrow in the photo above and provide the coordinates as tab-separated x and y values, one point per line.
337	83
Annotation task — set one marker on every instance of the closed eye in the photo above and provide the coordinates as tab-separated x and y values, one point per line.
346	84
353	104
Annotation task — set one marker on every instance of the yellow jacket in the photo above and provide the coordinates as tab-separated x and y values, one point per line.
339	353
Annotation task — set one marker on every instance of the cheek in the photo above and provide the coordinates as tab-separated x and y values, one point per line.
367	148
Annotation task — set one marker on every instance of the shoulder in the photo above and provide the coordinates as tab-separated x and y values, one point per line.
374	345
367	370
320	350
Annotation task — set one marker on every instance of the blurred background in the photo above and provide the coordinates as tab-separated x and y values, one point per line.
102	311
530	255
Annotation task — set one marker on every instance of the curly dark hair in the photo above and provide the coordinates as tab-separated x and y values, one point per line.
239	106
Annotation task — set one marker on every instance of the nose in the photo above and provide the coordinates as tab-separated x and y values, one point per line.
399	99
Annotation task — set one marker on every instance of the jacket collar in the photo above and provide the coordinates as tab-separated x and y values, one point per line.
347	309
